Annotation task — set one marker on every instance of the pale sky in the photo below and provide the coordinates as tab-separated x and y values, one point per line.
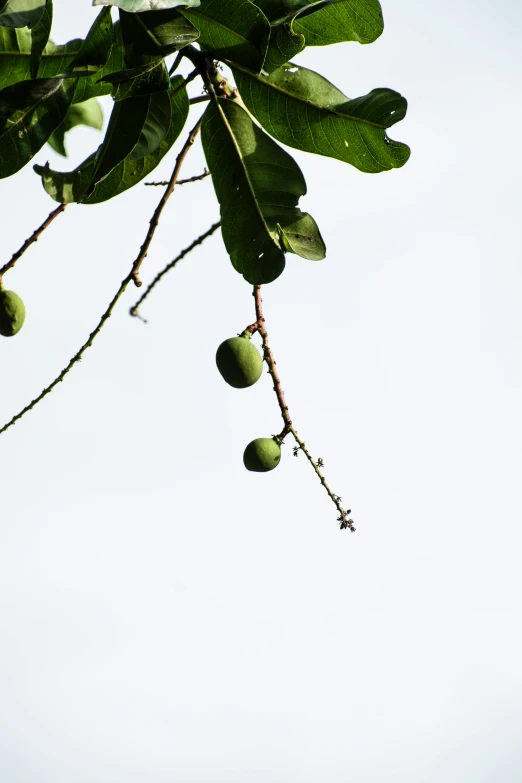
167	616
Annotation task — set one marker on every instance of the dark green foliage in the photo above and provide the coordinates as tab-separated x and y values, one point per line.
239	362
262	455
47	88
39	37
12	313
304	110
258	185
67	187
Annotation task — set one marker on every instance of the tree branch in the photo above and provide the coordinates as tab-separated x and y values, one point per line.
134	309
33	238
259	326
76	358
159	209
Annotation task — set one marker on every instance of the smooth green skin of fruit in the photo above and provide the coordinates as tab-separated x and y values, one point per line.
262	454
239	362
12	313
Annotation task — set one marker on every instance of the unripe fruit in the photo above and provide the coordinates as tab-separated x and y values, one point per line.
262	454
12	313
239	361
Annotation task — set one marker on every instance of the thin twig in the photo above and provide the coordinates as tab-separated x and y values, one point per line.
159	209
259	326
134	309
76	358
343	517
199	99
182	181
123	285
33	238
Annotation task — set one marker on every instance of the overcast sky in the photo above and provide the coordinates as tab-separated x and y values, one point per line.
167	616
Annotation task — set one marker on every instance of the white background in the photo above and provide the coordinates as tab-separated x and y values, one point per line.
167	616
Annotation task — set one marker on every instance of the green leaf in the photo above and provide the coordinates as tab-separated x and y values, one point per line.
234	30
96	48
124	130
94	86
160	33
143	80
21	13
278	11
155	127
88	113
15	59
40	36
15	55
29	112
16	47
304	110
137	6
258	186
66	187
342	20
284	45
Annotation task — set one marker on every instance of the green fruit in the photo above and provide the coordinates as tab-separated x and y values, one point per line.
12	313
262	454
239	361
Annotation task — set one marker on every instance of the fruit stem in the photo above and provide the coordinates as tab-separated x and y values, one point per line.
259	326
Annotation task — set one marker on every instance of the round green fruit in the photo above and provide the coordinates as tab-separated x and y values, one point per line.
239	362
262	454
12	313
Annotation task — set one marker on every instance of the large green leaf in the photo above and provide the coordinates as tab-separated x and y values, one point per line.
304	110
21	13
29	112
284	45
258	186
88	113
138	6
342	20
232	29
39	37
66	187
160	32
125	127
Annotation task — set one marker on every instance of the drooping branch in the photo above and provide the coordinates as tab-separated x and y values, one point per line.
134	309
132	276
159	209
77	356
33	238
259	326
